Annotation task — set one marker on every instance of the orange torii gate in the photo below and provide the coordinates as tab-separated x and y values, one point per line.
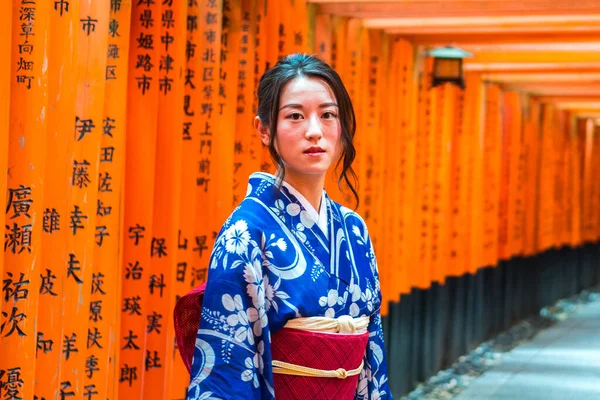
127	143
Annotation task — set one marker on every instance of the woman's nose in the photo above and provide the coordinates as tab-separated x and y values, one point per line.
314	130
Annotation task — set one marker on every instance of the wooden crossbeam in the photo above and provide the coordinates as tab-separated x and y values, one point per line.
470	39
451	31
524	57
579	105
532	68
544	77
456	26
569	99
554	88
525	46
420	8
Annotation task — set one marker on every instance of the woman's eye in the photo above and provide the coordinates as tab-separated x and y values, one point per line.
329	115
295	116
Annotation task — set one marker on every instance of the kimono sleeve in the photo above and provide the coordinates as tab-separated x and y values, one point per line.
373	380
232	358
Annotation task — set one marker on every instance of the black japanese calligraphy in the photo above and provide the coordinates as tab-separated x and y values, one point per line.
91	366
157	283
81	176
154	324
102	210
70	345
95	310
76	219
73	268
20	201
93	338
180	272
136	233
108	126
107	154
158	248
83	127
134	271
51	221
152	360
129	342
132	305
11	389
101	233
47	283
128	374
104	183
97	283
90	391
15	289
64	390
62	6
45	345
115	5
88	25
12	322
18	238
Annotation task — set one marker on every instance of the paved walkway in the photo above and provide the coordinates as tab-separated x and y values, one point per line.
560	363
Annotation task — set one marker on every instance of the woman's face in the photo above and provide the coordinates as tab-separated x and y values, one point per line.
308	128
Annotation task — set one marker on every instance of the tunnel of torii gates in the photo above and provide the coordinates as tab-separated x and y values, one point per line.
126	136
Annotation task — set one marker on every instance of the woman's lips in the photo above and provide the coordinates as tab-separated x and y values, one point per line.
314	150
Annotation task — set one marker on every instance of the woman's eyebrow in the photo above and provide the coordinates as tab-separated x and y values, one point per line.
299	106
328	105
292	105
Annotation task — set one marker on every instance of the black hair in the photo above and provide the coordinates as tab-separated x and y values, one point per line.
269	94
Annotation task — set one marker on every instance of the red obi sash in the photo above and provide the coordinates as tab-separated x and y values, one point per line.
323	351
315	350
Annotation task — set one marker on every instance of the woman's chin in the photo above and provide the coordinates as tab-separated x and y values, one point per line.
312	171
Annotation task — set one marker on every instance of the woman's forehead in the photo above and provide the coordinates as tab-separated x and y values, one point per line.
306	88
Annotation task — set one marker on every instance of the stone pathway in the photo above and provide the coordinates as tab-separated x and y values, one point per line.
560	363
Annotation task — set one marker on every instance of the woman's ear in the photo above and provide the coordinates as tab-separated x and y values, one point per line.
263	131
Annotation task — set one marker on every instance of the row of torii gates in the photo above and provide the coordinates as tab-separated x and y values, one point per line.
482	198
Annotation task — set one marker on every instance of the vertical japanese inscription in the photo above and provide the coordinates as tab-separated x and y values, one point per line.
244	148
23	41
101	325
191	139
167	42
211	14
25	64
149	76
166	201
373	123
145	11
79	217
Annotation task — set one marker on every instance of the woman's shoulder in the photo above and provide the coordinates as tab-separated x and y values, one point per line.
237	243
348	214
253	218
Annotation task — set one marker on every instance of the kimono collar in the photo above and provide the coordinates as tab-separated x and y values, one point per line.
320	217
328	246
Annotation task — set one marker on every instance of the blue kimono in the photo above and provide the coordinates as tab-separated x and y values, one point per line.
271	262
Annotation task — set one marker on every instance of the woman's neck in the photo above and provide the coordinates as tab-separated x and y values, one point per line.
310	187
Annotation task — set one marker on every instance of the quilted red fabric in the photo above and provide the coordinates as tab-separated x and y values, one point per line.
186	317
321	351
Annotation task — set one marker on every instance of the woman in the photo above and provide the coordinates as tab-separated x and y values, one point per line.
291	305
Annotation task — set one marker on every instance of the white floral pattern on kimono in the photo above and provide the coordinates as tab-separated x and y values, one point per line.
271	263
